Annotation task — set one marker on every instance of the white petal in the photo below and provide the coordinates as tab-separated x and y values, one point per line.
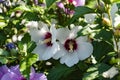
35	35
40	49
82	39
73	32
62	34
114	9
53	32
32	24
70	59
50	51
44	29
61	52
117	21
76	29
85	49
90	18
41	24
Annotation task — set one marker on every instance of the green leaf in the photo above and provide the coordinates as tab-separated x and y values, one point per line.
60	71
82	66
30	46
95	72
26	38
50	2
26	63
3	60
107	1
31	16
80	11
3	52
20	45
111	1
101	49
2	25
22	8
115	1
104	34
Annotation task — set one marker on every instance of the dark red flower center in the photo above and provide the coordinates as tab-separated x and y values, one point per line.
70	45
23	79
70	1
47	39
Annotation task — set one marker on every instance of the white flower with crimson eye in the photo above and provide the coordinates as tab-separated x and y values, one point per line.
45	40
72	49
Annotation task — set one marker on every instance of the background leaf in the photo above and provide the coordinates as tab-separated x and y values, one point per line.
80	11
50	2
101	49
59	72
96	71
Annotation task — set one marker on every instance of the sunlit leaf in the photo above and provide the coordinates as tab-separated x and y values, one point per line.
26	64
31	45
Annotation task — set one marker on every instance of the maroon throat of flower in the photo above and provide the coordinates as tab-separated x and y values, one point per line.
23	79
70	45
47	39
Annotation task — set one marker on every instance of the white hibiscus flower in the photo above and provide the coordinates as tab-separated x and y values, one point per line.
45	40
72	49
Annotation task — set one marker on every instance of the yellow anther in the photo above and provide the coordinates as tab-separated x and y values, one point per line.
71	47
45	41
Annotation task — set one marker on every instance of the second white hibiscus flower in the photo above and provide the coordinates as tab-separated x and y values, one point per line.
72	49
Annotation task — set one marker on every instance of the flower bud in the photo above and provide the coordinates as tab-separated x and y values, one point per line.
10	46
18	13
117	32
106	21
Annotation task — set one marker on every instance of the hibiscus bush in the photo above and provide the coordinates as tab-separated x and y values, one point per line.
59	40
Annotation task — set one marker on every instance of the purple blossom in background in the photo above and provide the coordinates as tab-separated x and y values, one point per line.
36	2
13	73
2	1
77	3
3	70
60	5
68	11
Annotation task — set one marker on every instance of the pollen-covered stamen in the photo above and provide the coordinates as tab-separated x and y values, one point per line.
47	39
70	45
